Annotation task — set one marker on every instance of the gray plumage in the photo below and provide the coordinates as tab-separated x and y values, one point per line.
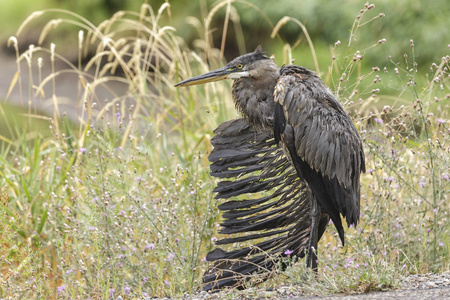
325	139
296	144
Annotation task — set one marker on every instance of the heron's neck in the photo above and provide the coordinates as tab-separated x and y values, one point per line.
253	97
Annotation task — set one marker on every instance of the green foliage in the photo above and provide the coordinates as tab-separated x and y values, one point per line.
121	203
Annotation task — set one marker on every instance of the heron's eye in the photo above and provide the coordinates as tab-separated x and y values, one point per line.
239	66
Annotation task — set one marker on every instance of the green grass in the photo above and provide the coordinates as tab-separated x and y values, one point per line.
121	203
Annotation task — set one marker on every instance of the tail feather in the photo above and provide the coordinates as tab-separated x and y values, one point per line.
266	203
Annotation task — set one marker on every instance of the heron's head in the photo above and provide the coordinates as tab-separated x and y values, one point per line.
251	65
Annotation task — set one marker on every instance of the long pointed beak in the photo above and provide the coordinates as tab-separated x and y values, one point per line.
212	76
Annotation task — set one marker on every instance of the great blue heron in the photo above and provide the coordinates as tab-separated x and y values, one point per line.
296	143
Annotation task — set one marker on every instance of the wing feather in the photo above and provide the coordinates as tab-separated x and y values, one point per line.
278	220
325	140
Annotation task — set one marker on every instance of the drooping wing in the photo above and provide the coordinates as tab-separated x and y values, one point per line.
323	142
268	206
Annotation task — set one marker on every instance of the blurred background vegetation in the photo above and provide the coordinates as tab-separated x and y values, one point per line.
426	22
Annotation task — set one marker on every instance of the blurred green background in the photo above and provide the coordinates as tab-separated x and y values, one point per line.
426	22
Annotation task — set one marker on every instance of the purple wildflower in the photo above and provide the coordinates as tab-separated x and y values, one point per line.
61	289
82	150
422	182
379	121
149	247
126	289
288	252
